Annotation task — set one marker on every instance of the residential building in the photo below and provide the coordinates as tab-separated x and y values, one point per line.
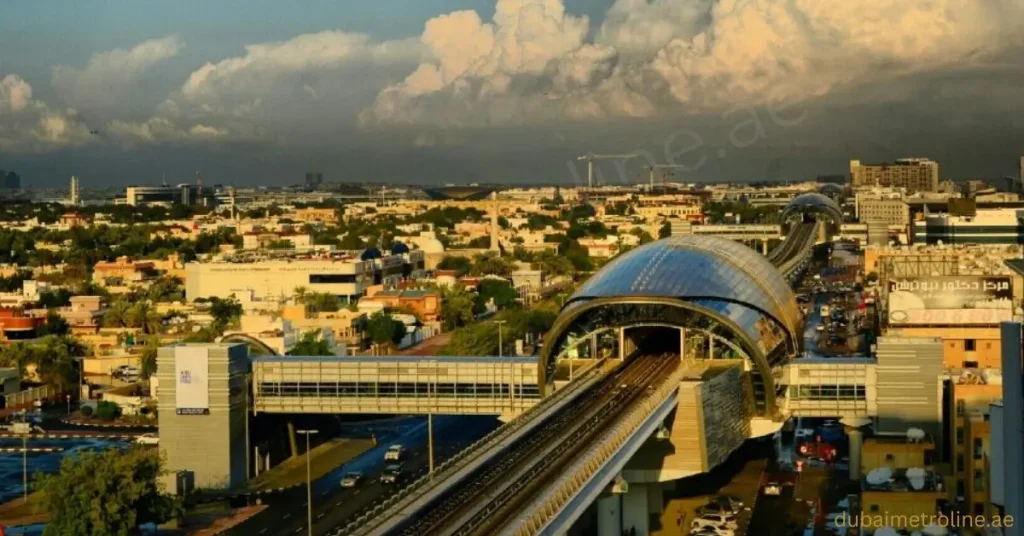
425	304
971	394
309	215
15	326
901	488
84	312
121	271
914	174
1007	424
889	211
345	277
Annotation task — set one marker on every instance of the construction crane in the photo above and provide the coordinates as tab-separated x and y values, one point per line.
590	163
651	169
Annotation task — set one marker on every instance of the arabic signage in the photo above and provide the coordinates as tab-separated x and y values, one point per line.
950	300
191	369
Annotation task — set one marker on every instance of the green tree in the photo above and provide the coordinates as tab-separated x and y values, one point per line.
147	361
225	312
457	307
311	343
499	290
109	492
165	289
322	302
143	315
55	298
117	314
491	264
54	325
461	265
384	329
665	231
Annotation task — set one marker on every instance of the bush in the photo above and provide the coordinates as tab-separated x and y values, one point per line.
86	411
107	411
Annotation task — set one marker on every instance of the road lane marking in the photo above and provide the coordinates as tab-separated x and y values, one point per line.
298	530
337	504
286	516
321	515
264	530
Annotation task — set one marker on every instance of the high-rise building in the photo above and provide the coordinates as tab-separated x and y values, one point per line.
74	196
914	174
10	180
314	179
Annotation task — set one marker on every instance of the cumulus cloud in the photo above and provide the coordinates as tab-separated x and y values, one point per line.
533	63
110	78
280	86
29	125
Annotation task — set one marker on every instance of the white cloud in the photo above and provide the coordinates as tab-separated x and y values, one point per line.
28	125
305	81
532	64
110	78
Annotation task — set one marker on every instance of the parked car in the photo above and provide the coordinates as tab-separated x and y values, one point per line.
351	480
394	453
709	530
714	520
392	474
148	439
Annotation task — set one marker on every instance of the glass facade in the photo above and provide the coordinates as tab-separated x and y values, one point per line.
813	203
712	285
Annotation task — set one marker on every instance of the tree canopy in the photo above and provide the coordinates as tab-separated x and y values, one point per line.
384	329
108	492
311	343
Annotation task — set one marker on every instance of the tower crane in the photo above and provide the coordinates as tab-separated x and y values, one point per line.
589	158
651	169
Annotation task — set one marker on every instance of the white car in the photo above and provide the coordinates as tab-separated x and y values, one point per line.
804	432
714	520
772	489
351	480
148	439
394	453
709	530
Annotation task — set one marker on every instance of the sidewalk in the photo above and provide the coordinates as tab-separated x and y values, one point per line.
323	459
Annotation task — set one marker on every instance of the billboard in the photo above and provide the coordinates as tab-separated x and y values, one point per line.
191	370
950	300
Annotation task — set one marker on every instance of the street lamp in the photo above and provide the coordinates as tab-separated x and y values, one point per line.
499	323
309	481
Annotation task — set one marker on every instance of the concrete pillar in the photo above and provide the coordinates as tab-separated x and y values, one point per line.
293	444
609	516
622	343
856	436
593	348
764	247
655	499
635	513
682	343
711	346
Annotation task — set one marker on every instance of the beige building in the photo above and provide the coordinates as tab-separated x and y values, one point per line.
914	174
890	211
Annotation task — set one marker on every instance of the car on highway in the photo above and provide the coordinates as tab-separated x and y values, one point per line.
392	474
708	530
351	480
772	489
394	453
714	520
148	439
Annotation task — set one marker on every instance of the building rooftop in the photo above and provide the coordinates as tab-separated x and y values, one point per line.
900	482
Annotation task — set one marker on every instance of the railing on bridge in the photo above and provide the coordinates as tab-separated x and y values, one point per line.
396	384
424	486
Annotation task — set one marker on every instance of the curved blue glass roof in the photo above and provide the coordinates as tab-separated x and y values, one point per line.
698	267
813	203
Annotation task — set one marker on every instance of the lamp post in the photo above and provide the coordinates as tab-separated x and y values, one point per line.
499	323
309	481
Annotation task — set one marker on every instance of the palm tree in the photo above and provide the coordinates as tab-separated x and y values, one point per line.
142	315
300	294
117	314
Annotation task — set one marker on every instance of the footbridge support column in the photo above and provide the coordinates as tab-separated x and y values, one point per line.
609	516
855	432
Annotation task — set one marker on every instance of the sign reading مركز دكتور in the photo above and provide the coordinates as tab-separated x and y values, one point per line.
192	385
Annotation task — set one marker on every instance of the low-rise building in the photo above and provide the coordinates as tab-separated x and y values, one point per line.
901	488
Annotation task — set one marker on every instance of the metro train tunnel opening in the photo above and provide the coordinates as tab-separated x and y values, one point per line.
655	340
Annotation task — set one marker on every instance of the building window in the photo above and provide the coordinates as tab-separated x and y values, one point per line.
959	435
873	508
979	480
961	408
969	345
970	364
988	346
979	509
979	450
961	489
959	462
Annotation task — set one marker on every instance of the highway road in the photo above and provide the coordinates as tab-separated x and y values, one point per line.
333	505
